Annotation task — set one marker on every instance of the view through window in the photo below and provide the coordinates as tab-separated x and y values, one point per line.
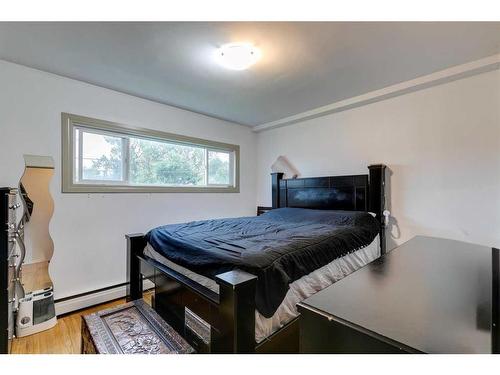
107	156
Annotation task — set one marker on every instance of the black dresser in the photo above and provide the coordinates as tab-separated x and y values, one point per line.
429	295
8	207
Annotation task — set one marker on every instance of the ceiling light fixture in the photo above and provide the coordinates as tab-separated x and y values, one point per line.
237	56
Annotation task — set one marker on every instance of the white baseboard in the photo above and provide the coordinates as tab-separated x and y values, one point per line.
96	298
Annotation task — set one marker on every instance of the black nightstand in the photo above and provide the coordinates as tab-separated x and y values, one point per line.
262	210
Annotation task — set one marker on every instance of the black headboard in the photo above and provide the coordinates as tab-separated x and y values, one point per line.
364	192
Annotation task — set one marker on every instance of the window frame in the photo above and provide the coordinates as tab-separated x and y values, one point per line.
71	122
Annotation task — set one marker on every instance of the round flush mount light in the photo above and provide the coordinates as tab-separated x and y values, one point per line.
237	56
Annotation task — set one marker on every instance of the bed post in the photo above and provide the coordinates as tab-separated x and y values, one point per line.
377	199
135	247
237	309
276	178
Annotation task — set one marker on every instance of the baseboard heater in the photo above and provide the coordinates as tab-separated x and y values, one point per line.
88	299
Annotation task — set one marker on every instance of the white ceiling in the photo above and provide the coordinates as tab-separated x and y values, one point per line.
304	65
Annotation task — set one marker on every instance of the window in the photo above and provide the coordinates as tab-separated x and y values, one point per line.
99	156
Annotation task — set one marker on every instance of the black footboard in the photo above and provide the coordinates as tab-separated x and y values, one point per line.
230	314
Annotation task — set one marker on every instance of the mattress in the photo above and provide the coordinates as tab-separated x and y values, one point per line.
299	290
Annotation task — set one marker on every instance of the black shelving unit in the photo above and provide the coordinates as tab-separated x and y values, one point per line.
7	228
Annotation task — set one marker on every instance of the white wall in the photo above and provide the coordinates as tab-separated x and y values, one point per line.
442	145
88	229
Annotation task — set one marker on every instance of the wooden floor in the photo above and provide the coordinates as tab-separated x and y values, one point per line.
65	337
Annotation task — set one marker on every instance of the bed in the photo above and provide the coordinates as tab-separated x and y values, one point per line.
231	285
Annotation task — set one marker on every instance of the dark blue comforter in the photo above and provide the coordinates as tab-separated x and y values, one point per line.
278	247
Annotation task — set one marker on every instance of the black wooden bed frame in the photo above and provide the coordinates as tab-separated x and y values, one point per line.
231	313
